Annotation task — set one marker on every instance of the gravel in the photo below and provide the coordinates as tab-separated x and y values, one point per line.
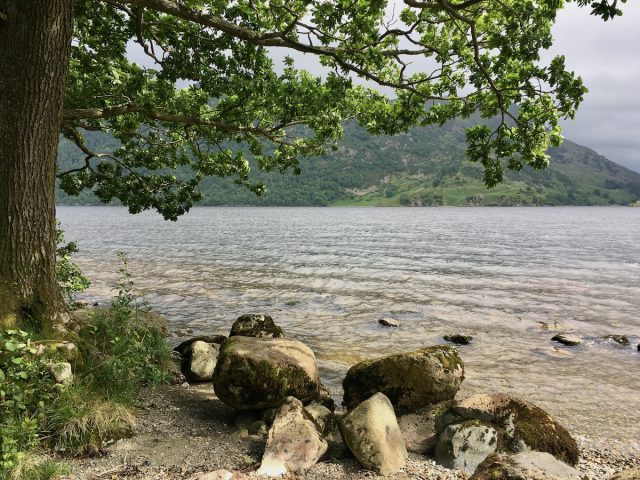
183	431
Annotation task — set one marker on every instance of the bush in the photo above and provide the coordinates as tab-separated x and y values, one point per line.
70	277
122	351
25	390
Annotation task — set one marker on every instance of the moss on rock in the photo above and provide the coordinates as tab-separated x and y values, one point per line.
410	380
258	373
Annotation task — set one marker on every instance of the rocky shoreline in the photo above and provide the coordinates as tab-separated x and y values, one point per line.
266	415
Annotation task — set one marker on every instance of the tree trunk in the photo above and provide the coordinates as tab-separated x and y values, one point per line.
35	45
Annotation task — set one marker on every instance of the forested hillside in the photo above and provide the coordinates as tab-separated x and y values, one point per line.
425	167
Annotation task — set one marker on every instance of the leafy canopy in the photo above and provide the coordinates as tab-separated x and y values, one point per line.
215	98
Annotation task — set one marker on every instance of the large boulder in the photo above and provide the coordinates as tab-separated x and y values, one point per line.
464	446
259	373
61	372
372	434
410	380
293	442
525	466
522	426
260	326
199	361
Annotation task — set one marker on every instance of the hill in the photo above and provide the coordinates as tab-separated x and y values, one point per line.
427	166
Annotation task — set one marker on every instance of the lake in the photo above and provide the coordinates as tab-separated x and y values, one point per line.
326	275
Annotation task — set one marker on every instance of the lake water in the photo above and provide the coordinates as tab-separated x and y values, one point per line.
326	275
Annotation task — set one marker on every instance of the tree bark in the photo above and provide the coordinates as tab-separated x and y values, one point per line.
35	45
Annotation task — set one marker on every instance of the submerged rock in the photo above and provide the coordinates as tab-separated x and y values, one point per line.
410	380
259	373
525	466
464	446
567	339
372	434
293	442
521	425
259	326
619	339
389	322
458	339
199	361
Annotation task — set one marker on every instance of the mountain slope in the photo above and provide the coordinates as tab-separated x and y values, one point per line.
425	167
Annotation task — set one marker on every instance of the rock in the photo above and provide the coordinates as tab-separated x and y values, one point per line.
59	349
326	399
410	380
619	339
525	466
567	339
61	372
213	339
260	326
521	425
418	428
199	361
458	339
388	322
632	474
293	442
320	415
464	446
259	373
372	434
220	475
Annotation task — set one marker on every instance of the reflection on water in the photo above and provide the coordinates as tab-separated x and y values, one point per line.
327	275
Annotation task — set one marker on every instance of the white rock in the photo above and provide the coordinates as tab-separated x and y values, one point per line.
465	446
525	466
372	434
199	361
293	442
61	372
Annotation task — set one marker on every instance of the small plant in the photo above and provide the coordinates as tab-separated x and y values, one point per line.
70	277
25	390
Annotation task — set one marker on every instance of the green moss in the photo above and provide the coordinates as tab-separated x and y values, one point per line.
540	432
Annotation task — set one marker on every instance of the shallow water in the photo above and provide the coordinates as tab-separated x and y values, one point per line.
327	274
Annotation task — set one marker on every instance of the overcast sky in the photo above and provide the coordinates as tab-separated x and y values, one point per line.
605	54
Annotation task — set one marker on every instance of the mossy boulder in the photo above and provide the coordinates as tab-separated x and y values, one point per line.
521	425
524	466
259	373
410	380
259	326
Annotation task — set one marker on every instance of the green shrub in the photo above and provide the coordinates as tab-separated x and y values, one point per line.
70	277
25	390
123	351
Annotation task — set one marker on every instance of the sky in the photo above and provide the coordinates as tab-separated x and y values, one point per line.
607	57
